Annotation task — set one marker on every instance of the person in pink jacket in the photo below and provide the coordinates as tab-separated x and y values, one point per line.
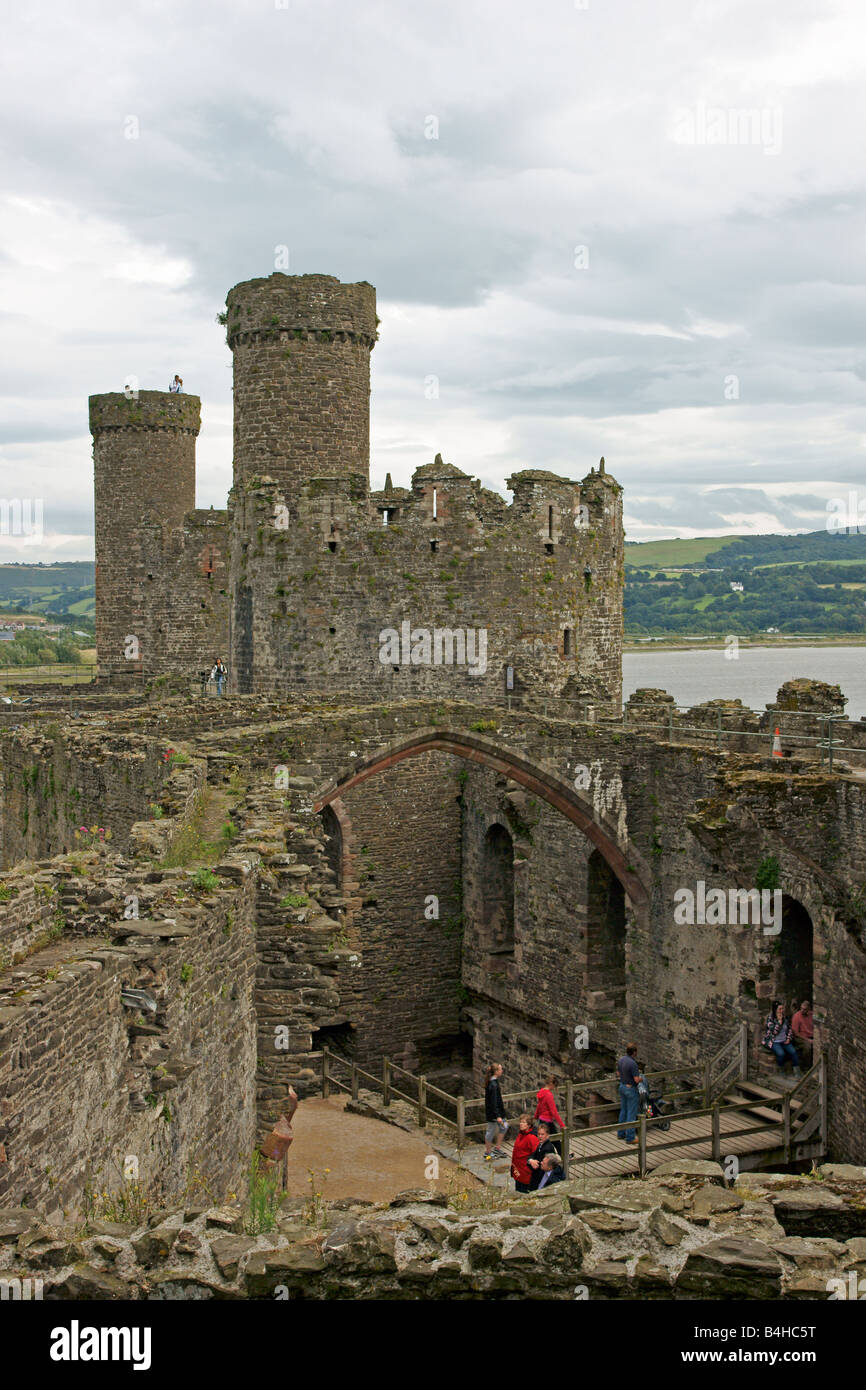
545	1108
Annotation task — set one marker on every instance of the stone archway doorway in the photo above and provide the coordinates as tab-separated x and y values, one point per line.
794	961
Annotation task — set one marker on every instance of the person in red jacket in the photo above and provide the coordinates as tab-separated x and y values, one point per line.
545	1108
525	1145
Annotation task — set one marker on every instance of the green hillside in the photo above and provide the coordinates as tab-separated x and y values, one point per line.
659	554
813	583
63	591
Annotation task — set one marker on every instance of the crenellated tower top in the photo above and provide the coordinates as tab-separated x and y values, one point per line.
301	346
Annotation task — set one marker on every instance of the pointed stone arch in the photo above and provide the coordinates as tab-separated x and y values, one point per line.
793	977
624	861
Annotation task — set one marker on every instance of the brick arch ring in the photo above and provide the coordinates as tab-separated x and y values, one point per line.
627	864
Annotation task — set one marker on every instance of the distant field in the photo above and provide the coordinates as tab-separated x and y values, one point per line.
836	564
47	675
657	554
49	589
57	672
84	608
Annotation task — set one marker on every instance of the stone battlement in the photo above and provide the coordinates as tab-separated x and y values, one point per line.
312	304
148	410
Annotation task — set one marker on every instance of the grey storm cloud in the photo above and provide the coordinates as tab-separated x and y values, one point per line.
577	277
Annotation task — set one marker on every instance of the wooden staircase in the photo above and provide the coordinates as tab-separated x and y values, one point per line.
795	1117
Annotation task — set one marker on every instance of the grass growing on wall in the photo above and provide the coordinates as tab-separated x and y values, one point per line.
203	839
263	1196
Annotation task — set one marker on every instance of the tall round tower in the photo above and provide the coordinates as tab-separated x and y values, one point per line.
301	346
144	484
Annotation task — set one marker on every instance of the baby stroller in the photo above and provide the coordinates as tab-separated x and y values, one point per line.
651	1104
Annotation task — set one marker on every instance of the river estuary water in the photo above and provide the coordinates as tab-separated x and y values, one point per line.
753	677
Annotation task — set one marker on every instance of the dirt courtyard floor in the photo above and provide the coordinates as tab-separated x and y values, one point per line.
367	1158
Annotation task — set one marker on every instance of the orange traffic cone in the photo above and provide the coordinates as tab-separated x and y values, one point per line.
777	745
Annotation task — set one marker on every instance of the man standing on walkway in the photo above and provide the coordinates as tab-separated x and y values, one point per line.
628	1072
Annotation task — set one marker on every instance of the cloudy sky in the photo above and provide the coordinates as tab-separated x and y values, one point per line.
603	227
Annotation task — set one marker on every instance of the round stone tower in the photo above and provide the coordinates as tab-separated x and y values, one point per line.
301	347
144	484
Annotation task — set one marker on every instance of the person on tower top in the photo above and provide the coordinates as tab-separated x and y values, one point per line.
177	384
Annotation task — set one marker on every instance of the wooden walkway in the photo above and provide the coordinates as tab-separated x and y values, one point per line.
752	1131
729	1116
687	1138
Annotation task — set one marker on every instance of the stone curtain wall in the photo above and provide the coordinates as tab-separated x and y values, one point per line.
679	815
87	1083
27	913
687	986
815	828
193	627
841	995
56	778
313	596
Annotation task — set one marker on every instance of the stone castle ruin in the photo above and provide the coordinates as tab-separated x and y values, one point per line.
297	579
366	850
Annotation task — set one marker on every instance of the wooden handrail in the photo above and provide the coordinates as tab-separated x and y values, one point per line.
814	1073
809	1104
592	1085
395	1066
434	1090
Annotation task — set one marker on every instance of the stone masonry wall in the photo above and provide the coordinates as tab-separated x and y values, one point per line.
59	776
144	484
88	1084
27	913
682	1233
301	348
405	996
524	1008
312	598
678	815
